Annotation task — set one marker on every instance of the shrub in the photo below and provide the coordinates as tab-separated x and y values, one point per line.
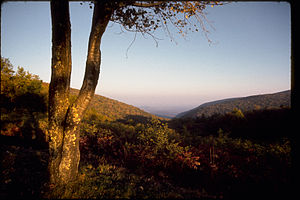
150	146
156	149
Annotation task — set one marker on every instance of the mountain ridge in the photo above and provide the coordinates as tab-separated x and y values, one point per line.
112	109
248	103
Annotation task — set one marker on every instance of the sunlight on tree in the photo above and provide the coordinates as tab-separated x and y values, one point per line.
135	16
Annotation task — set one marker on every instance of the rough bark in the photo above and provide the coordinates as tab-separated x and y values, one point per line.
70	154
64	119
60	82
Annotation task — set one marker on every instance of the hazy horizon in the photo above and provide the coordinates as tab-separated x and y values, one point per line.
249	54
173	110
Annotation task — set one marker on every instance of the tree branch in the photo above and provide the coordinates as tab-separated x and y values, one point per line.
101	17
147	5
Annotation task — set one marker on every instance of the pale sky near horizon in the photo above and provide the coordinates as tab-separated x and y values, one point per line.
249	54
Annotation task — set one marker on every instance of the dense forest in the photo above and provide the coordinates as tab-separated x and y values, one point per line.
128	153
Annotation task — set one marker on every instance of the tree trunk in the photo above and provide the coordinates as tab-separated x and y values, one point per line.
60	83
64	118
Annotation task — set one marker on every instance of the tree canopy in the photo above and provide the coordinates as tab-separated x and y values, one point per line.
146	17
18	83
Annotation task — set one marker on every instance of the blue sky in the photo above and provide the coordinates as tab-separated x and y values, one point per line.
249	54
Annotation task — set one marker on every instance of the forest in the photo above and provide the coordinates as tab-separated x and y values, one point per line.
128	153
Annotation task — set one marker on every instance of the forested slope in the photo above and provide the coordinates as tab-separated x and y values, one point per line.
250	103
110	109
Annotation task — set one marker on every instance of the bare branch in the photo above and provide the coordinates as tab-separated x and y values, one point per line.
130	44
146	17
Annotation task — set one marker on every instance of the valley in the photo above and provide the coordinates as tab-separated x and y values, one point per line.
232	148
223	106
165	111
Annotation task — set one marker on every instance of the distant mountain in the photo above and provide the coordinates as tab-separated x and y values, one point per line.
256	102
165	111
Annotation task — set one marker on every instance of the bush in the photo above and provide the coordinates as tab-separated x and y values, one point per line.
111	182
104	181
156	149
151	146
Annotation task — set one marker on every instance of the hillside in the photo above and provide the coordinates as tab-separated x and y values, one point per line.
125	155
256	102
110	109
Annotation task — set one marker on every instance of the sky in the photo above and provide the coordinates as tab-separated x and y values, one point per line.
249	54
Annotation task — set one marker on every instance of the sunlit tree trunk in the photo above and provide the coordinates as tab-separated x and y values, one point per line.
60	83
64	118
